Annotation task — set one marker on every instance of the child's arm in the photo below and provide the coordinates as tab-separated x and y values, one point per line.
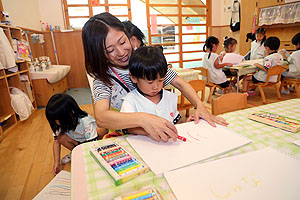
56	156
218	65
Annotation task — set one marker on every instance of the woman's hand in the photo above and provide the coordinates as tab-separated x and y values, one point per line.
211	119
159	129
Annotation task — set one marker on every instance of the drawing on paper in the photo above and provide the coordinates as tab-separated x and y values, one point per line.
244	184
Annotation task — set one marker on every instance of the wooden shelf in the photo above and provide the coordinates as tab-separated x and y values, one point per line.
8	117
20	61
5	117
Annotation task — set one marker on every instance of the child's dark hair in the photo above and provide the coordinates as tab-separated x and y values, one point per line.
296	39
229	41
209	44
263	32
273	43
147	62
63	107
94	33
133	30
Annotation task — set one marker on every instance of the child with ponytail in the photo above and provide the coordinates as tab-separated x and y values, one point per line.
212	62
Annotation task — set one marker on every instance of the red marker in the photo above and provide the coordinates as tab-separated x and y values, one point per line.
181	138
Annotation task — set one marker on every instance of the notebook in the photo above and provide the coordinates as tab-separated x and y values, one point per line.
259	175
203	142
58	189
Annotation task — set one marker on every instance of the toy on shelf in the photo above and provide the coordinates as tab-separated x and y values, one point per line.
120	164
277	121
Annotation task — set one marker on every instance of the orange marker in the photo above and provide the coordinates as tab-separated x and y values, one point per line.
181	138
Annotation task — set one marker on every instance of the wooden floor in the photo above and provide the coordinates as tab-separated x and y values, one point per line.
26	158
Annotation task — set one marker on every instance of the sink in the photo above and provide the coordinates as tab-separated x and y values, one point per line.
53	74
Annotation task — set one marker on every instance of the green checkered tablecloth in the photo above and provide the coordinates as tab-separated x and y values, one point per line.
100	186
243	70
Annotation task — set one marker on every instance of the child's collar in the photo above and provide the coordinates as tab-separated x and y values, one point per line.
272	52
145	95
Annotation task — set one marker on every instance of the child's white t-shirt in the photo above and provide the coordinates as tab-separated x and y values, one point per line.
134	101
85	130
269	61
257	50
294	66
216	76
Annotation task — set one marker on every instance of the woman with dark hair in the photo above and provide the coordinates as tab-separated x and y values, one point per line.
107	52
136	36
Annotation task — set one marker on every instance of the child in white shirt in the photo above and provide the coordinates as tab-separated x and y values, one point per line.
71	126
294	60
212	62
272	59
257	46
229	47
148	67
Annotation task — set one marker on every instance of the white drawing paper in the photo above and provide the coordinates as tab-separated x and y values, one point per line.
203	142
260	175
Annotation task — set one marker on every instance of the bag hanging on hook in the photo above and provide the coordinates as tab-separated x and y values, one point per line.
235	16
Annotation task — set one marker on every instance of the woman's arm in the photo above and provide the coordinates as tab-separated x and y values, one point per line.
157	127
200	112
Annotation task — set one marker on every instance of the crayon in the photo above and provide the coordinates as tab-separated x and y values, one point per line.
181	138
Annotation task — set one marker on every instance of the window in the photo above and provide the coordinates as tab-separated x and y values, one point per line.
180	26
77	12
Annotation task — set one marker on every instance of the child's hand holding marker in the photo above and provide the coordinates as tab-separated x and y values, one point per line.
181	138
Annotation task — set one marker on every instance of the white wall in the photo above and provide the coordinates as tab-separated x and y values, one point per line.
28	13
220	14
51	12
23	13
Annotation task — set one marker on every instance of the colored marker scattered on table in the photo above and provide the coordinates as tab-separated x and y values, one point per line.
181	138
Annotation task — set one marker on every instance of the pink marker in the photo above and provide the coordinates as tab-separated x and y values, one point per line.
181	138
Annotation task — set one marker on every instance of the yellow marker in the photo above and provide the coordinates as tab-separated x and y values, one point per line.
137	195
129	169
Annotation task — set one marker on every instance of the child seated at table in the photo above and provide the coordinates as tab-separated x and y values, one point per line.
71	126
229	47
257	46
212	62
148	67
272	59
293	60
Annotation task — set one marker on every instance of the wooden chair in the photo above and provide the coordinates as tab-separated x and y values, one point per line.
199	86
229	102
276	70
291	81
204	73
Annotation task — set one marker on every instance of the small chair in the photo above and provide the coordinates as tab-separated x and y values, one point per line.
291	81
204	73
229	102
273	71
198	85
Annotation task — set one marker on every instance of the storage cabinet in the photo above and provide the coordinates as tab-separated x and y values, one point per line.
8	79
45	90
269	3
